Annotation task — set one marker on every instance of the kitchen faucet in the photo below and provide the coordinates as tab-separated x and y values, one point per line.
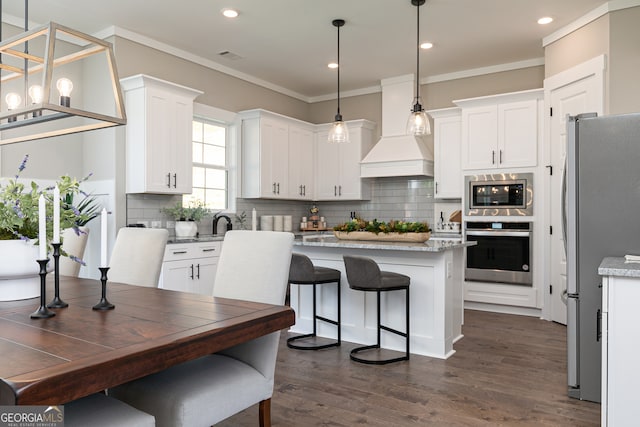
216	218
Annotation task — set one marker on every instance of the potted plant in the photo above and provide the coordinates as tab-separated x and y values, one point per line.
186	217
19	216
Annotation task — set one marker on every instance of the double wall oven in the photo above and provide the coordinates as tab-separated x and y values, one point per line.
503	253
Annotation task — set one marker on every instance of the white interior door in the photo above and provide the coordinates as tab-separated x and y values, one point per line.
578	90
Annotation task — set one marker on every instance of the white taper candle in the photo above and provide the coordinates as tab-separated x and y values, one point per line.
254	220
42	227
103	238
56	215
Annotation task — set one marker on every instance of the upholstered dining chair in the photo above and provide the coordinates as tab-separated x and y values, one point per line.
254	266
99	410
136	258
73	244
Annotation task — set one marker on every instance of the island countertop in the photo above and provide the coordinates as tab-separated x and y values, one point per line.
428	246
618	266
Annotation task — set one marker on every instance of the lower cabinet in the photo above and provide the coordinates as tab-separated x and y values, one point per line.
620	348
190	267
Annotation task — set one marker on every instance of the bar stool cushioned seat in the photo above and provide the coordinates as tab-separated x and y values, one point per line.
99	410
364	274
303	272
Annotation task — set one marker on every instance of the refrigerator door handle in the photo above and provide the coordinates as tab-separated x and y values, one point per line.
563	204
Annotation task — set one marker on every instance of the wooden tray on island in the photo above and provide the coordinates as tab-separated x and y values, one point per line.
383	237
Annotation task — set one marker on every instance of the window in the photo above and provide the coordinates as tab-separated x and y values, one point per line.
215	158
210	164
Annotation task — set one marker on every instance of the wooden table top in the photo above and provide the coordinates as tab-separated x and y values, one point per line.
81	351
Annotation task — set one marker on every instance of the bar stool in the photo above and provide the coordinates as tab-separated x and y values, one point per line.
303	272
364	274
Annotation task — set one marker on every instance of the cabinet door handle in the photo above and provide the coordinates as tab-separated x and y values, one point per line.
500	156
175	180
436	188
339	190
169	180
274	188
179	252
300	190
198	274
304	190
335	190
191	276
209	250
278	186
493	157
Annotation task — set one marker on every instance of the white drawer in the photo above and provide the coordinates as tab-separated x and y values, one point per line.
180	251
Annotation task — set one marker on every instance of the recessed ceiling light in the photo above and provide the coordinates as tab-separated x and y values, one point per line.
426	45
332	65
545	20
230	13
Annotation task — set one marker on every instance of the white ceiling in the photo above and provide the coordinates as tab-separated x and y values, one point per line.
288	43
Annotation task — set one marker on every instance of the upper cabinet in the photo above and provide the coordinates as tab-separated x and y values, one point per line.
500	131
447	140
158	135
277	160
338	165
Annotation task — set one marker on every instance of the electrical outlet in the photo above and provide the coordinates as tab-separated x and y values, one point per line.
156	224
171	224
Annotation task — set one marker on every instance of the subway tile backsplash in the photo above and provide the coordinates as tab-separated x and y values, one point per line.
404	198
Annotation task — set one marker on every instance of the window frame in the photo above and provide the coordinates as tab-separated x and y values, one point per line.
227	119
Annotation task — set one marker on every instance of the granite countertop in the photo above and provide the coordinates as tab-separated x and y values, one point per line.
199	239
618	266
428	246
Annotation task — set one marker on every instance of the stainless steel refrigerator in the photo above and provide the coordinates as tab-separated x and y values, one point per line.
601	217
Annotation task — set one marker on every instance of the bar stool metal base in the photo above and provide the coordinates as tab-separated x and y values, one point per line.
291	342
355	351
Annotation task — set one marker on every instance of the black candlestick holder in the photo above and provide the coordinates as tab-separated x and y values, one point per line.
43	312
104	304
56	302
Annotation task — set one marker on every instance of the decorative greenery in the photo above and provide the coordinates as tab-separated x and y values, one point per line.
89	207
375	226
195	211
19	207
241	221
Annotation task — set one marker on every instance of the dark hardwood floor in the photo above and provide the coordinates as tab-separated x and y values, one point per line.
507	370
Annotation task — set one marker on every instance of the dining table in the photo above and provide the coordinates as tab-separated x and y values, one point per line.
81	351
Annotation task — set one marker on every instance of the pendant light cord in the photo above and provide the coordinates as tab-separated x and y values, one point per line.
418	53
338	115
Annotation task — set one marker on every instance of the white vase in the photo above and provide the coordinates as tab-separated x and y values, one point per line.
186	228
19	272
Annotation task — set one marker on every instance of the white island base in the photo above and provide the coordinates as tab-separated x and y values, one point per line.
436	289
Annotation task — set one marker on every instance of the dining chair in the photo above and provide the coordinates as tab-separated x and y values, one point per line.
253	266
136	258
73	244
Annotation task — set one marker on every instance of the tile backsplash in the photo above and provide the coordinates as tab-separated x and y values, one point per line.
405	198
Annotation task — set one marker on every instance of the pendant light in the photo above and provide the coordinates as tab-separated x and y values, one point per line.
418	123
339	132
43	66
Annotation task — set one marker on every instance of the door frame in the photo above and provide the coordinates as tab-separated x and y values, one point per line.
595	67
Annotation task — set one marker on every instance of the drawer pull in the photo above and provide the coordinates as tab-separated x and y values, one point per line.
209	250
179	252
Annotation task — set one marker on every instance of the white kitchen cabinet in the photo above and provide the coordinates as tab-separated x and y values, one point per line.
338	165
620	344
276	156
190	267
500	131
158	135
447	142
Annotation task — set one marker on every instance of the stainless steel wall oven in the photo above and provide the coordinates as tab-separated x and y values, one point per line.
502	254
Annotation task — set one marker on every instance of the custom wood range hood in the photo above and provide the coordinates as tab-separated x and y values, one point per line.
396	153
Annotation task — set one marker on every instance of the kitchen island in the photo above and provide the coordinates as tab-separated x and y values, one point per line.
435	268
